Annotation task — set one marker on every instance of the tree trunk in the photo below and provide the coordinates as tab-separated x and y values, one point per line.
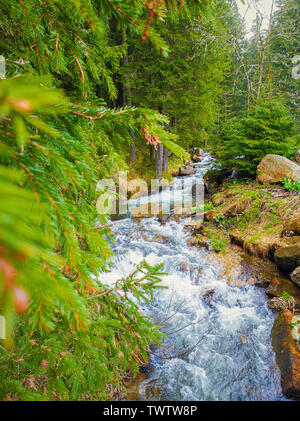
165	159
263	53
159	160
152	153
128	101
132	150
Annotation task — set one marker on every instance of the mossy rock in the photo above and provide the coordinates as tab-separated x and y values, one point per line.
237	208
288	258
214	178
279	286
218	199
287	355
292	227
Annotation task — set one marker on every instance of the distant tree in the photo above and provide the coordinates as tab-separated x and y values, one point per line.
267	129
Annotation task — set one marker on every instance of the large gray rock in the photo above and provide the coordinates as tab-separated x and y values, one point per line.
188	170
197	154
295	276
297	156
288	258
273	168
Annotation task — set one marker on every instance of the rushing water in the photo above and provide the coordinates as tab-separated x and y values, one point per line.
218	345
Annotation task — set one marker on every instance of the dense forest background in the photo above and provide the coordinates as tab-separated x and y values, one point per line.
92	87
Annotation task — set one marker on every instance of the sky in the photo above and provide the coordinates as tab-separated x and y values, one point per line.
264	6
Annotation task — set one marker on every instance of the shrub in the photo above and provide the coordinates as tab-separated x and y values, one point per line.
290	185
267	129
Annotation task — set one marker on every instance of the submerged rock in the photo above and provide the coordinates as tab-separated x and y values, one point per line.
287	355
273	168
148	210
288	258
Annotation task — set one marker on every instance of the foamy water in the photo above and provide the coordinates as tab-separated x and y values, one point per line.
218	346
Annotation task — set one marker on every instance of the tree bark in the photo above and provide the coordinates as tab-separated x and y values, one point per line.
263	53
152	153
132	150
165	159
128	101
159	160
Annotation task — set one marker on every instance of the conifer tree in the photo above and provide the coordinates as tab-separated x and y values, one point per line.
58	137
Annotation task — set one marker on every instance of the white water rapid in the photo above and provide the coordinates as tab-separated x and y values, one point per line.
219	345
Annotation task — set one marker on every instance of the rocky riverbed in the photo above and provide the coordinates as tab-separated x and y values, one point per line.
221	335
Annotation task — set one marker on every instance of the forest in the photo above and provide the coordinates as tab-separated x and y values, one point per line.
89	88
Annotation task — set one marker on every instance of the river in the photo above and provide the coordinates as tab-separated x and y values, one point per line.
218	345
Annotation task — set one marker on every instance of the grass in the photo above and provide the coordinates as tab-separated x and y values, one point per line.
253	212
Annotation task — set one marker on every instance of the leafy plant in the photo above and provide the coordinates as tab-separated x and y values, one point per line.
290	185
286	295
202	208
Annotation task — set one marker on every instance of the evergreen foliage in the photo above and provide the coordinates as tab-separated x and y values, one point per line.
265	130
58	137
188	84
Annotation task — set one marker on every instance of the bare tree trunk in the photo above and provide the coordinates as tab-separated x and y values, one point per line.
128	101
152	153
263	53
247	78
165	159
159	160
132	150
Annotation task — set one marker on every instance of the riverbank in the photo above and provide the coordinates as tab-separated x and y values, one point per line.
260	219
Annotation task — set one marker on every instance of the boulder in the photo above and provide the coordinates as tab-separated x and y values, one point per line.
204	242
292	228
214	178
295	276
288	258
197	158
273	168
188	170
147	210
196	154
279	286
238	207
279	304
287	354
297	156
